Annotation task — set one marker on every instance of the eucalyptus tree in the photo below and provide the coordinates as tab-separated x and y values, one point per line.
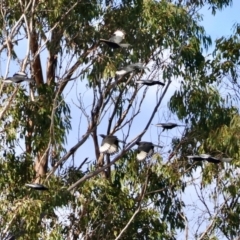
108	198
209	102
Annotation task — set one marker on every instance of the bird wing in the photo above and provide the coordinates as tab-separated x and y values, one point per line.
213	160
159	146
141	156
137	66
8	80
116	39
205	156
113	149
195	158
226	159
104	148
124	70
124	45
36	186
157	82
110	43
20	75
159	124
13	80
19	80
121	72
149	82
108	148
150	153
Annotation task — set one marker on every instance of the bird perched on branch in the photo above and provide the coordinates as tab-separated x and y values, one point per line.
145	150
168	125
129	68
109	144
150	82
116	39
18	78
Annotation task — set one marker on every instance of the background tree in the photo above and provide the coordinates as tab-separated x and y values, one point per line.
97	196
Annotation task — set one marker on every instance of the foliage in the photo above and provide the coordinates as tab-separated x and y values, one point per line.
116	197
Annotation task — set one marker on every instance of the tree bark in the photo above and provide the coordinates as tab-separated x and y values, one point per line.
36	64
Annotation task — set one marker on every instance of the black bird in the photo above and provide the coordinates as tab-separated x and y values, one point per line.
195	158
36	186
213	160
109	144
168	125
116	39
18	78
129	68
209	158
150	82
145	150
205	157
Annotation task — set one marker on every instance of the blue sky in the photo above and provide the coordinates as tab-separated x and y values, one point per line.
216	26
221	24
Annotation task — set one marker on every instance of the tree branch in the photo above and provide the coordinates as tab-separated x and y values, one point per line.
96	172
70	152
138	208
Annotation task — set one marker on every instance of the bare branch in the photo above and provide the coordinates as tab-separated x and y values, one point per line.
156	107
138	208
9	102
70	152
96	172
24	64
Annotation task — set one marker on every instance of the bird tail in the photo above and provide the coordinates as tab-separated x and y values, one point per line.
104	40
157	146
7	80
29	80
161	83
124	45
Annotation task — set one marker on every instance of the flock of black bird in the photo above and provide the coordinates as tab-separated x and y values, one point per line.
145	150
116	42
110	143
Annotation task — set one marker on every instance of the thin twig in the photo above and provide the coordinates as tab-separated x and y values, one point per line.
92	174
70	152
9	102
138	208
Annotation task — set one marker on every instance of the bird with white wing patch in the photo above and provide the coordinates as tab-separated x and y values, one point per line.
145	150
110	144
116	39
18	78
